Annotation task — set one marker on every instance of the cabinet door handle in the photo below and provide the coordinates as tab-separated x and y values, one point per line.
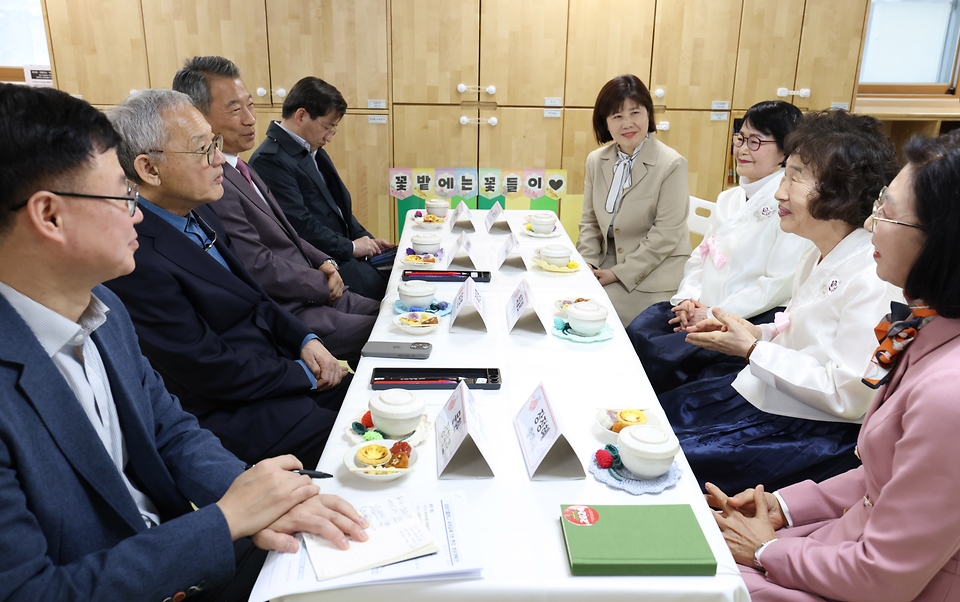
461	88
464	120
261	92
281	93
802	92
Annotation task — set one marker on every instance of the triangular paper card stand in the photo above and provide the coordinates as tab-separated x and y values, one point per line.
461	438
494	222
464	261
467	313
506	258
522	315
546	452
460	218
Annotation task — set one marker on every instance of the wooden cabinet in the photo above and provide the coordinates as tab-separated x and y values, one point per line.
434	49
523	50
343	42
769	45
811	45
830	52
177	30
704	142
97	48
432	136
522	138
606	38
695	52
578	142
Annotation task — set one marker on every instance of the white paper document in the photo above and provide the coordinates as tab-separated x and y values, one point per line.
286	574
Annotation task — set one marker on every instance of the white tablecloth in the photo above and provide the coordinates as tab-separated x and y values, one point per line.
513	522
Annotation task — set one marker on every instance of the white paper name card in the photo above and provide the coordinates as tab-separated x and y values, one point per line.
495	213
522	314
460	438
464	243
546	451
461	218
468	311
508	245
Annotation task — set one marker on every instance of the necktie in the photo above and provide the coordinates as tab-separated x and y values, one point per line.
245	172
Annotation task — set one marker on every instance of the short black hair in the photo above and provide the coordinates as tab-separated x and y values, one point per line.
774	118
315	96
852	159
612	96
935	276
47	136
192	78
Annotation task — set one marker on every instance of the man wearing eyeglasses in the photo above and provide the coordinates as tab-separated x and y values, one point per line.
292	162
251	372
98	462
297	275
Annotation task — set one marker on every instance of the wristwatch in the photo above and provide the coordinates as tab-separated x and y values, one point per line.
756	555
334	262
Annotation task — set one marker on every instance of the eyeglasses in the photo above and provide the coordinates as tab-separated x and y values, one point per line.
210	151
130	198
210	232
875	216
753	142
330	130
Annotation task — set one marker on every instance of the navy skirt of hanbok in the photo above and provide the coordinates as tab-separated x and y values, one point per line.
734	445
667	358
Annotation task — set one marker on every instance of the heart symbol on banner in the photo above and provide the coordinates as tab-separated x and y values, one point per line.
556	184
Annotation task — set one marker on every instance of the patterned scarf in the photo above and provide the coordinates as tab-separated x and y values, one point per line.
897	330
622	179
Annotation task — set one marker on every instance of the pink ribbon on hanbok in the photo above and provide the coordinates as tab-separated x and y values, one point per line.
781	320
709	247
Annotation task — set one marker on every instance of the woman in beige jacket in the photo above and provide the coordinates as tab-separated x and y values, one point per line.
634	227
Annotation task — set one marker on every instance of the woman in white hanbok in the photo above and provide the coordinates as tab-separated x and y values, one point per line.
745	263
794	411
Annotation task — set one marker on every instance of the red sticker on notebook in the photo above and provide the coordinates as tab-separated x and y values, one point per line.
583	516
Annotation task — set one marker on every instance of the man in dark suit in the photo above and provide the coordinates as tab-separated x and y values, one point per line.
98	463
251	372
302	279
293	163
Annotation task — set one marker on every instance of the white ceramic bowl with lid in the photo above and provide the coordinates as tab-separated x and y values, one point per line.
587	318
396	412
647	450
417	293
557	255
543	223
438	207
425	243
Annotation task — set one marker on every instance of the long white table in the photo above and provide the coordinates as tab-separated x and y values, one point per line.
513	521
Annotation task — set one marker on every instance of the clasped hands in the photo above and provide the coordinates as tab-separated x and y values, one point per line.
726	333
324	366
746	520
271	503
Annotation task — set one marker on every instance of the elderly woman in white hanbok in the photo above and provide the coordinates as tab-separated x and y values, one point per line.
745	263
794	411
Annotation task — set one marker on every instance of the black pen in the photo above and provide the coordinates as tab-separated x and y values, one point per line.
313	474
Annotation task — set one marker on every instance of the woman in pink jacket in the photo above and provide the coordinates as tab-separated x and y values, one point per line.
890	529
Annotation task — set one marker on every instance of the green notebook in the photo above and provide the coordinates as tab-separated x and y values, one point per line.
635	540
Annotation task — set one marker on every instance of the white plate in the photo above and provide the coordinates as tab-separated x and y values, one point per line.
559	304
419	264
350	461
415	330
533	234
608	436
429	225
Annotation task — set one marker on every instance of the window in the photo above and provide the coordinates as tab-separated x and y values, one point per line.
911	47
23	40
